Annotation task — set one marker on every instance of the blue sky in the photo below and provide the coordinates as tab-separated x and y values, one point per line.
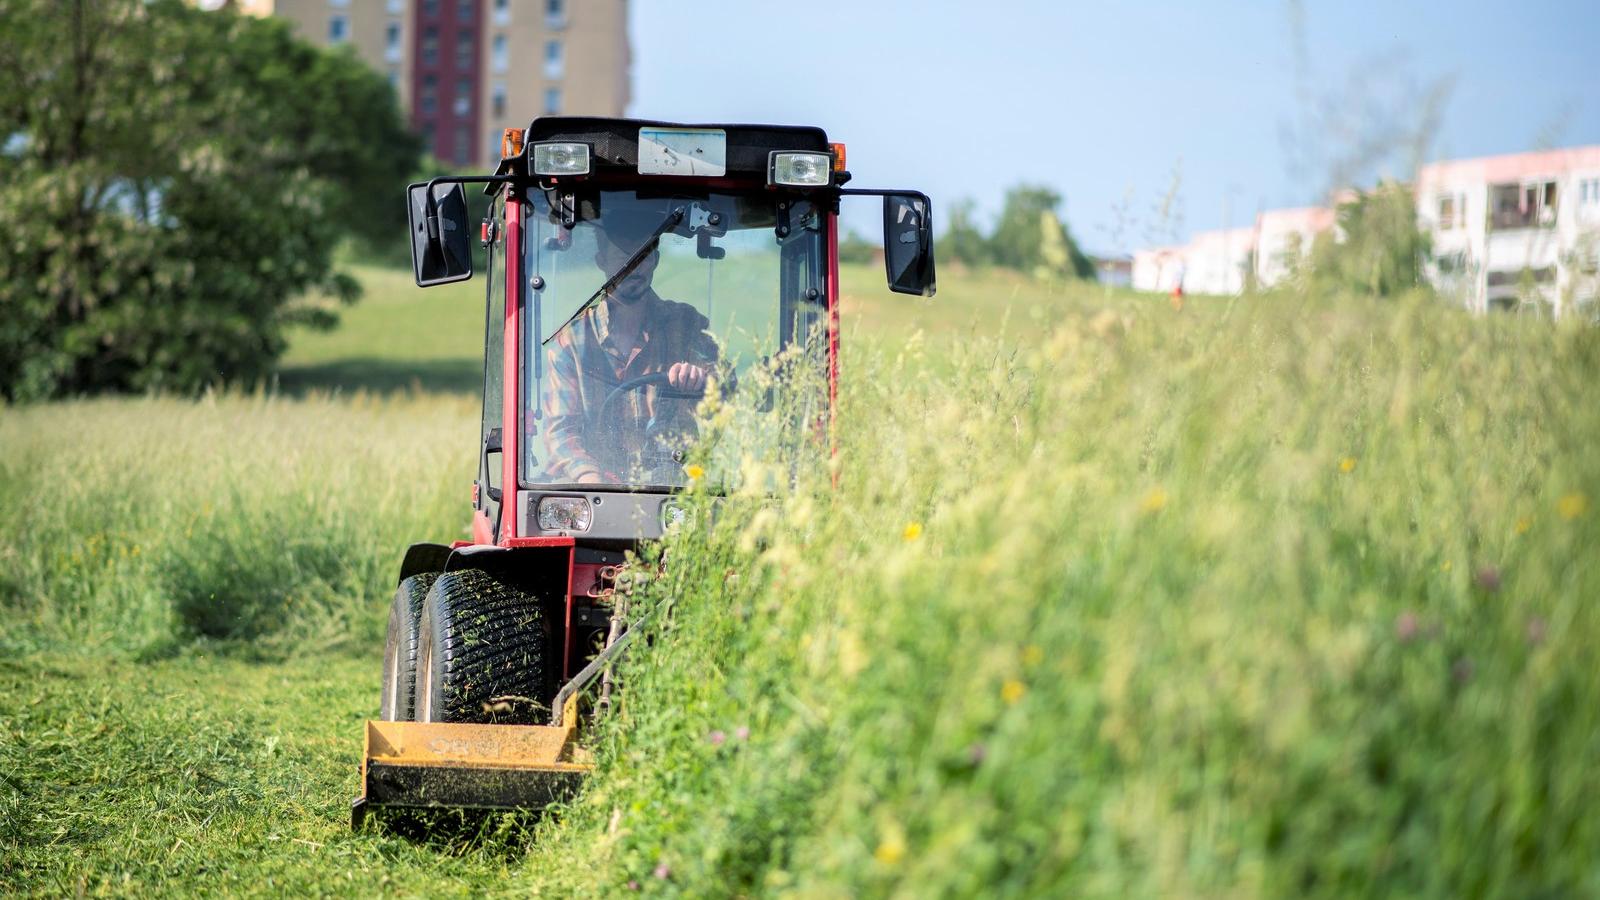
1103	100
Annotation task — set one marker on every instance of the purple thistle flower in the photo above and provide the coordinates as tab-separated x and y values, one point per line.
1488	579
1537	629
1406	627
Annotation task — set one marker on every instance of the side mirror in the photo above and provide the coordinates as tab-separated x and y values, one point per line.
441	250
908	243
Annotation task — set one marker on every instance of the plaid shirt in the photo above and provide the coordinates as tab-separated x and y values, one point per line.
583	365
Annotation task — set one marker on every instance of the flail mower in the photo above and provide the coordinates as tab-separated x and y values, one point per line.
632	266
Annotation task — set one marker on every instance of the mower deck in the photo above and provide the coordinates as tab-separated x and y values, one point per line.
421	765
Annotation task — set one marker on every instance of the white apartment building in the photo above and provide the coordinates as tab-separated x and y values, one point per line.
1221	261
1516	228
1507	231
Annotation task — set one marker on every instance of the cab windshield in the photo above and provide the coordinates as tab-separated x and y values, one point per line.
642	304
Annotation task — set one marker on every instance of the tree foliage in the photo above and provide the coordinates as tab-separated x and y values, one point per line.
853	248
170	181
1029	236
1377	249
963	241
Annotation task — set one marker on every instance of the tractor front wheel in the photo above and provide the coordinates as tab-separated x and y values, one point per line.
485	653
400	649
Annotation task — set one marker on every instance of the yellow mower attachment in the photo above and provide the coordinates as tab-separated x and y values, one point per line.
436	765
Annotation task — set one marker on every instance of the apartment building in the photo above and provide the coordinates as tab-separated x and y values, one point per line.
465	70
1511	228
1507	230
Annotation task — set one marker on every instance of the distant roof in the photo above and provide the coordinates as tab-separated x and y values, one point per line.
1511	166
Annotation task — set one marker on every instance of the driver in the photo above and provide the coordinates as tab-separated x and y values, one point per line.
631	331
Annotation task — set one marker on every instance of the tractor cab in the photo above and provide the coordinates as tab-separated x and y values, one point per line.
633	269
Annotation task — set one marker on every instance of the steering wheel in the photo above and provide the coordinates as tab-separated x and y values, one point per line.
658	379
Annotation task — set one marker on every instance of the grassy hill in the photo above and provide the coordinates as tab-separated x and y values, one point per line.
1278	595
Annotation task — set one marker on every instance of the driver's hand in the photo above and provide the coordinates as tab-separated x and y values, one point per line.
591	478
687	377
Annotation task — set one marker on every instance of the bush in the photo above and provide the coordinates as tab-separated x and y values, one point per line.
1377	250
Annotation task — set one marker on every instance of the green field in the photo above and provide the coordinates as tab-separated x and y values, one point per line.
1280	595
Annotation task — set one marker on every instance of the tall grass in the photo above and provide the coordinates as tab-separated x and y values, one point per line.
1288	595
134	526
1263	599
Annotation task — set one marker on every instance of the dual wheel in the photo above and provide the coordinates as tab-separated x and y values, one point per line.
465	646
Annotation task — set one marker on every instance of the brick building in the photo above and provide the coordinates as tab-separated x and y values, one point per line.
466	69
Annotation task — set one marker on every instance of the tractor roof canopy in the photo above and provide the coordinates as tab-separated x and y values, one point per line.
617	146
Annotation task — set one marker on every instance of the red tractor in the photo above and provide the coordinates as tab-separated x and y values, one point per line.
632	267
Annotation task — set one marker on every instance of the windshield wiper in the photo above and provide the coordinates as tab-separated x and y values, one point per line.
671	221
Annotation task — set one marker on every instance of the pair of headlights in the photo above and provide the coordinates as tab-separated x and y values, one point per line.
784	167
575	515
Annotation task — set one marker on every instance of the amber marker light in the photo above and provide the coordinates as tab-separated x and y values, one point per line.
510	143
838	157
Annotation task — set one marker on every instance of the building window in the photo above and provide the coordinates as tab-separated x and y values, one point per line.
1447	213
430	46
502	12
463	49
338	29
339	4
463	147
1521	205
394	79
497	54
395	7
391	42
463	103
552	101
427	136
555	13
492	147
430	94
1589	192
497	98
464	11
552	59
430	7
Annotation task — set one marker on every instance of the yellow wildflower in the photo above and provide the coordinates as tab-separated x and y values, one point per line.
1445	566
695	472
1524	524
892	848
1032	655
1154	502
913	531
1012	691
1572	506
1347	465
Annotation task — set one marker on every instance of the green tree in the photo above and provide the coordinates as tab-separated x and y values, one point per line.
853	248
1377	249
170	181
1028	225
962	241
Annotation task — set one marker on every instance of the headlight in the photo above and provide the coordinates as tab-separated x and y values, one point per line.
799	169
565	514
675	514
560	159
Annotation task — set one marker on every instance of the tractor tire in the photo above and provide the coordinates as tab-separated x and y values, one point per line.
486	653
400	648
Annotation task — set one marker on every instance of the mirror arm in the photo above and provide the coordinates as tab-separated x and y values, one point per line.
432	207
886	192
